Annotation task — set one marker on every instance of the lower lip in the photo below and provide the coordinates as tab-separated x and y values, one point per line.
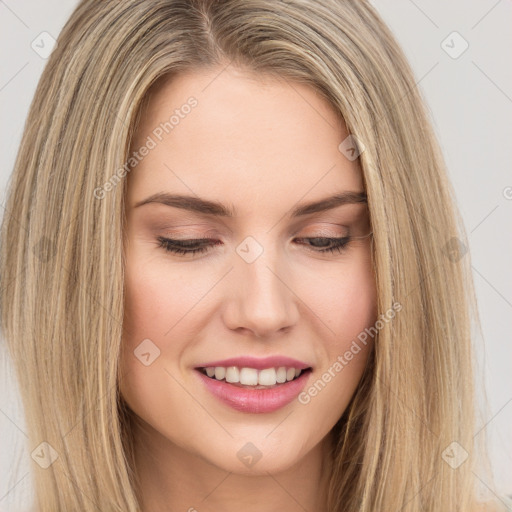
256	400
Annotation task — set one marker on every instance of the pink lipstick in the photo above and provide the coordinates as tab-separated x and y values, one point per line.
255	385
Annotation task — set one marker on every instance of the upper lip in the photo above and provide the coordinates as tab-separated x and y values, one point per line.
258	363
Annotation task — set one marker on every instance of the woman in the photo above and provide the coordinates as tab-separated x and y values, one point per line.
238	280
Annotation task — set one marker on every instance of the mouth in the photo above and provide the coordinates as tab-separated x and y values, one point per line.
249	390
252	378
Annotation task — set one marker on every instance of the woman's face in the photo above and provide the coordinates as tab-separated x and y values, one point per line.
241	164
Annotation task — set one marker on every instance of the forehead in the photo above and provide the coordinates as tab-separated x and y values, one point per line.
254	142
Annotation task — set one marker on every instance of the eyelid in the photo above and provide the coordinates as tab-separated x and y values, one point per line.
315	231
186	234
322	228
328	228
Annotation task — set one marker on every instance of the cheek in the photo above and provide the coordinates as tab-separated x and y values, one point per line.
151	309
348	305
154	298
346	302
356	305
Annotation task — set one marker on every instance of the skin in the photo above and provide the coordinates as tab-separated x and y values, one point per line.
260	147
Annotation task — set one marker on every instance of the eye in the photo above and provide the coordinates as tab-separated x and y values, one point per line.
328	244
191	246
201	245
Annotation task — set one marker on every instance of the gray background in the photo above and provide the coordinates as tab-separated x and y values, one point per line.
470	100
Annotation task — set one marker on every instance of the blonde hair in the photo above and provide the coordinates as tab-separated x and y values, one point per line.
62	314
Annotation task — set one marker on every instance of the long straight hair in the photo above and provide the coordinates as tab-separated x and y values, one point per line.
62	255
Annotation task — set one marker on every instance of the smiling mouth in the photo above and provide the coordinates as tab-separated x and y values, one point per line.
250	378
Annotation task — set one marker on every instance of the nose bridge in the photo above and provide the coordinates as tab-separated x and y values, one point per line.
262	299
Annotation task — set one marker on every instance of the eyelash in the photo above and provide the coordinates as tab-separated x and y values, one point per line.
180	246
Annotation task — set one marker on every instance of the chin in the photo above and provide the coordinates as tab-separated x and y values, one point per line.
255	458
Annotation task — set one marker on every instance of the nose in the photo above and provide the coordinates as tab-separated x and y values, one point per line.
261	299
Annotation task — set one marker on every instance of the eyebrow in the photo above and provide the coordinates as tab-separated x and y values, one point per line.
207	207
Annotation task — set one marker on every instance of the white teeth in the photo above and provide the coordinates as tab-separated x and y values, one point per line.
249	377
220	372
232	374
267	377
281	375
253	377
